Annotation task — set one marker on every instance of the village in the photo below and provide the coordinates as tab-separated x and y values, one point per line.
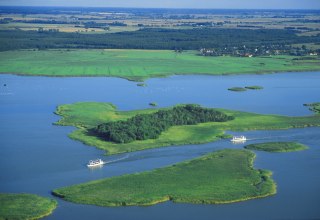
262	50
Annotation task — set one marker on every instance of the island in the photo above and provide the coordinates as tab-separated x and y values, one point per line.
86	116
237	89
153	104
220	177
25	206
243	89
277	147
254	87
142	84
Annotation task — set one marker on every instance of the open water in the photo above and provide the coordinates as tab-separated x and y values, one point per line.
37	156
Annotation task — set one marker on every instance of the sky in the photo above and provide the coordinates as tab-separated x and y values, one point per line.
225	4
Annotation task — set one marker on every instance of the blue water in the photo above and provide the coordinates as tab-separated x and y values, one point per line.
37	156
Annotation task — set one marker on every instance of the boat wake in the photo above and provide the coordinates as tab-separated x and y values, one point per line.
116	160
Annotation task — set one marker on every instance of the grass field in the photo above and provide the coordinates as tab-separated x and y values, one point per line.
277	146
86	115
141	64
221	177
25	206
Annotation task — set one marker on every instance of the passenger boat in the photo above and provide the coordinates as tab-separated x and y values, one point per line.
238	138
95	163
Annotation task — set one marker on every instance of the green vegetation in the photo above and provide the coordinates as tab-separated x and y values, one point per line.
241	89
315	107
277	146
221	177
154	38
237	89
154	104
25	206
141	84
88	115
141	64
150	126
254	87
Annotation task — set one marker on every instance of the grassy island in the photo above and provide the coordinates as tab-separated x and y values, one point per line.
277	146
142	84
237	89
87	115
25	206
221	177
254	87
153	104
139	65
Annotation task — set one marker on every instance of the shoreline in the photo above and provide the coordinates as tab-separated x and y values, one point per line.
143	79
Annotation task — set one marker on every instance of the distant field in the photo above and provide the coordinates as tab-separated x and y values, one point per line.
63	28
142	64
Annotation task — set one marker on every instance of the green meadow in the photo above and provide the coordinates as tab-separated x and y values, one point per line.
141	64
86	115
25	206
221	177
277	147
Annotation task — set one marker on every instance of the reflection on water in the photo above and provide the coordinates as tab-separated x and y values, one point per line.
37	156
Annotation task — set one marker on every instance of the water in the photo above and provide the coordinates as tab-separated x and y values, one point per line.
37	156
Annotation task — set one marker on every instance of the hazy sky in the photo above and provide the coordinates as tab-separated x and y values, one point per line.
236	4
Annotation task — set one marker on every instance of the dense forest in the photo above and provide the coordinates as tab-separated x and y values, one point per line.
150	126
153	38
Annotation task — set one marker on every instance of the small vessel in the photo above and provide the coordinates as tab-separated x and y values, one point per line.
95	163
238	138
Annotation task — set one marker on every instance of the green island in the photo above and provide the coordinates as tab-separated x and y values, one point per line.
315	107
88	115
237	89
139	65
142	84
25	206
277	147
243	89
153	104
224	176
254	87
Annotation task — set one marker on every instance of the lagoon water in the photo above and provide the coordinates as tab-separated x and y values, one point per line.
37	156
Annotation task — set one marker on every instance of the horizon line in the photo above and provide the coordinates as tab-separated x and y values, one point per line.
122	7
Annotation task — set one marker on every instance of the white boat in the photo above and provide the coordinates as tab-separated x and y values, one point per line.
95	163
238	138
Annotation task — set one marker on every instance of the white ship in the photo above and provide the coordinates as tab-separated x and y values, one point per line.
238	139
95	163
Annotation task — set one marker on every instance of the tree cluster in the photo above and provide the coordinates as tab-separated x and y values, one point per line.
152	38
150	126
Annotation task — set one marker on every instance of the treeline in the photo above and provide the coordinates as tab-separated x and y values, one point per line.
152	38
150	126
